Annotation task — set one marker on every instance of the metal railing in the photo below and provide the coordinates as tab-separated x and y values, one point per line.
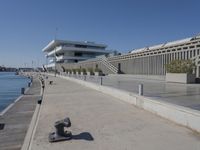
106	81
108	65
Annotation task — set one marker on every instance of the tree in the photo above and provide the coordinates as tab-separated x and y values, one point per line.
180	66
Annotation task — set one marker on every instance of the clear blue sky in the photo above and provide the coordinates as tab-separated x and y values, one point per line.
26	26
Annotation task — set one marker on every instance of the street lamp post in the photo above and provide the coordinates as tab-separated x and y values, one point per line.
55	50
55	61
46	64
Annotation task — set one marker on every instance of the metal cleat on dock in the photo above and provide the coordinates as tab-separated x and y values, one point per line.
61	134
50	82
39	100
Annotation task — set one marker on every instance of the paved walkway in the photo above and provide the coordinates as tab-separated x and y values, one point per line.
17	119
101	122
187	95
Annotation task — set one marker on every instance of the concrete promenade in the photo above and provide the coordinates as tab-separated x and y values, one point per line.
18	118
187	95
102	122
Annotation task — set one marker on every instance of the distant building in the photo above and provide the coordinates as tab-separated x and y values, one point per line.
2	68
152	60
7	69
27	69
149	60
63	51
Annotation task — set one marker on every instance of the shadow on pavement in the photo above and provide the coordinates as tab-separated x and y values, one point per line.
83	136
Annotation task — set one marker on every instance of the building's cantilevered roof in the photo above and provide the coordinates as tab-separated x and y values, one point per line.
54	43
168	44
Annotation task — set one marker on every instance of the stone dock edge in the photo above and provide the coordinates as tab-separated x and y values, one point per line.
10	105
33	124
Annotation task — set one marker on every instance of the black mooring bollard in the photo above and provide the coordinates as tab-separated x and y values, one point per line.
22	90
40	101
61	134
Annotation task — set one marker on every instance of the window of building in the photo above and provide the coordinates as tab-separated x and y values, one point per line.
181	53
198	46
185	47
184	57
94	47
177	56
81	46
172	56
194	53
78	54
187	57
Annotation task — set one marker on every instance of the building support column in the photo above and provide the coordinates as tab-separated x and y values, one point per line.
197	71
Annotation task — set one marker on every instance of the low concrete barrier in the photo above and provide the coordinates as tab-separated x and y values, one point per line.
31	130
33	124
178	114
180	77
140	76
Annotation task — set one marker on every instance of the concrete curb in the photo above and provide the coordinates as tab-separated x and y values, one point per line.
30	132
181	115
32	127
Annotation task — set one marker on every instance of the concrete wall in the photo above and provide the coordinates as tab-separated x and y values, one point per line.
149	65
85	65
145	63
180	77
150	77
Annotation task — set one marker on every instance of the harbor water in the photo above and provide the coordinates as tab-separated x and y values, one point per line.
10	88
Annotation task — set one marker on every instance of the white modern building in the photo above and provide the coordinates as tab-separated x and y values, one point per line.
62	51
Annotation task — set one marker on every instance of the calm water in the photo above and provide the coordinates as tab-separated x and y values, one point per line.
10	88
